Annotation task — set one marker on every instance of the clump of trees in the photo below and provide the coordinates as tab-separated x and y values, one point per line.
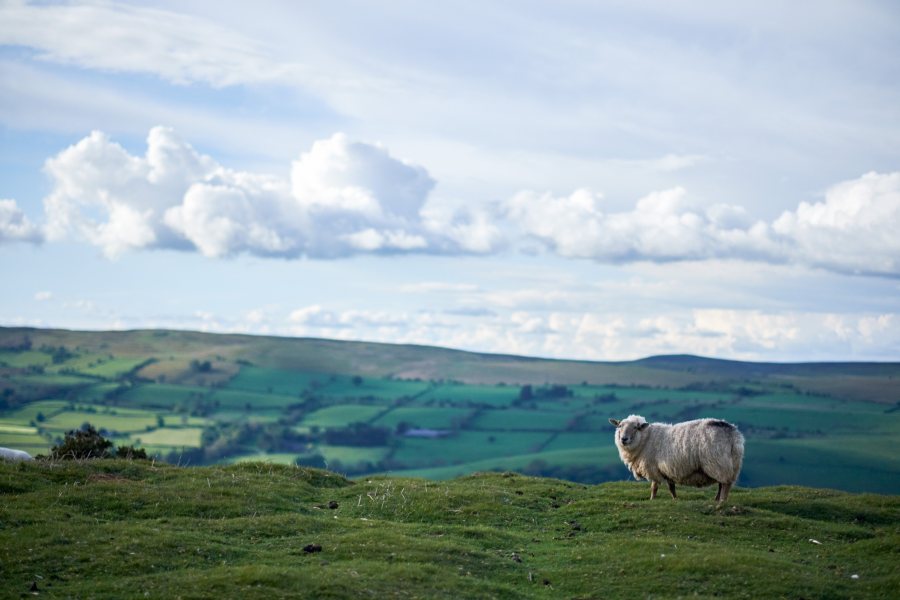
198	366
87	442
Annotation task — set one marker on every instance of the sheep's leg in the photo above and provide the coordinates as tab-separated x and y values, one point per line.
671	488
654	485
719	493
723	494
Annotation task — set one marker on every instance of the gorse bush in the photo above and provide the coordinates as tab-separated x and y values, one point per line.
88	443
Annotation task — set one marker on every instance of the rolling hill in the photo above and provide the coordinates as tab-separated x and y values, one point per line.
362	408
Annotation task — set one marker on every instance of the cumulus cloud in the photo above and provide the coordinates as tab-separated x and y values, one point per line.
15	226
343	198
661	227
852	231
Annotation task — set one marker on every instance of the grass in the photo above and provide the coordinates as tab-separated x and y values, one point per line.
385	389
426	417
341	415
275	458
113	368
519	462
116	419
170	437
23	438
29	413
119	529
522	420
274	381
240	399
352	455
491	395
161	395
467	446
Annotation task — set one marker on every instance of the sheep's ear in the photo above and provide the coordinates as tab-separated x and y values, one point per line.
614	422
643	426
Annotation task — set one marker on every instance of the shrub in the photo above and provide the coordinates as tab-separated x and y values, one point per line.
87	442
130	452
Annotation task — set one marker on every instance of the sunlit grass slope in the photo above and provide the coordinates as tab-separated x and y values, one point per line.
119	529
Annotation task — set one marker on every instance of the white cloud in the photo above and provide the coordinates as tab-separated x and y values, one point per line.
15	226
747	334
43	296
342	176
121	38
343	198
661	227
440	287
854	230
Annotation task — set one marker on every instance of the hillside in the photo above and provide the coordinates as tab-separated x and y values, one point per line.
123	529
363	408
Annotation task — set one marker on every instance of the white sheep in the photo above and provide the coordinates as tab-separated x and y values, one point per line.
10	454
697	453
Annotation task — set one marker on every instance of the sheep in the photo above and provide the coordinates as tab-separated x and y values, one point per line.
697	453
10	454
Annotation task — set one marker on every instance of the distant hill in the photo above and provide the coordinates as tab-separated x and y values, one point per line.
363	408
172	351
123	529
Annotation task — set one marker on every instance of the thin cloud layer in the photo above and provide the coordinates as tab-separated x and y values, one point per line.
746	334
343	198
131	39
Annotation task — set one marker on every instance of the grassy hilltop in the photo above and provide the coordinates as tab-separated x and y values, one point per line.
134	529
363	408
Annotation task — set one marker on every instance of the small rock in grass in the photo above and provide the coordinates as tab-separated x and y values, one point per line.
310	548
333	505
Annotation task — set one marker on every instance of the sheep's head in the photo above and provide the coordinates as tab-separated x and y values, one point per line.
628	431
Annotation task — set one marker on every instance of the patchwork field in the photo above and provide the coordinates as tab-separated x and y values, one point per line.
374	408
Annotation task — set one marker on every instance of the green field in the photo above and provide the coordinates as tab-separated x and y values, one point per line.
522	420
336	416
494	395
135	529
424	417
169	437
250	400
274	381
466	446
358	405
113	419
161	395
366	387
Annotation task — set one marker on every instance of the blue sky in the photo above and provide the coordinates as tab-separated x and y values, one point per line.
575	179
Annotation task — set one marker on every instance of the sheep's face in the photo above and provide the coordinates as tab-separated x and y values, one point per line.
629	431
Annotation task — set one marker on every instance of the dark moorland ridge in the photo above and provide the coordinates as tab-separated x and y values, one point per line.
362	408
